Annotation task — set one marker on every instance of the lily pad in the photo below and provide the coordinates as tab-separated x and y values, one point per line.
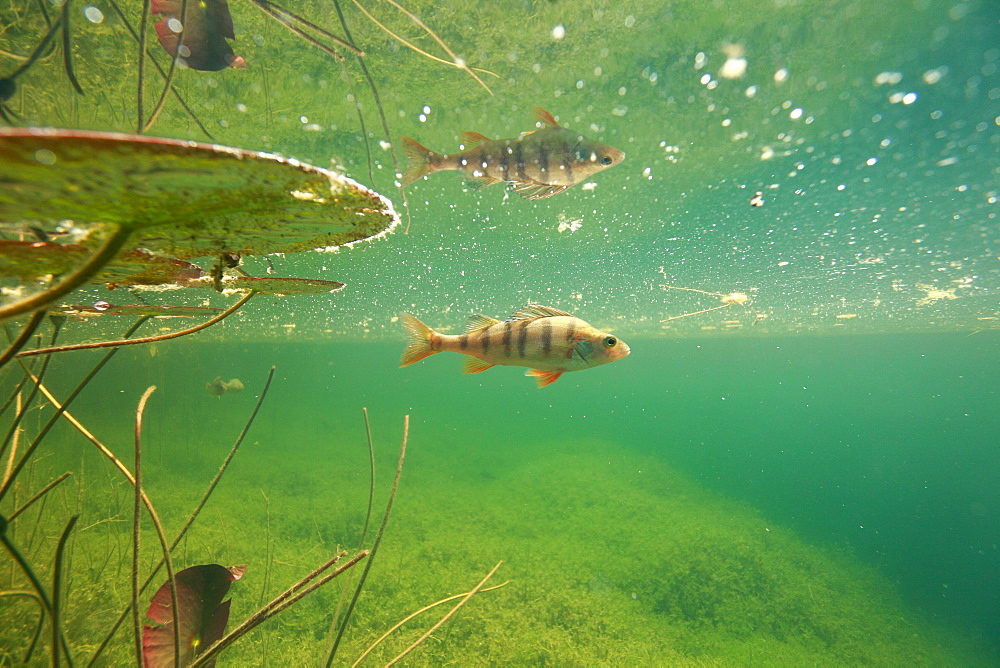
182	199
202	612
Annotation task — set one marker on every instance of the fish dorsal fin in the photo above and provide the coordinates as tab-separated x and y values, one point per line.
543	116
473	139
532	311
479	321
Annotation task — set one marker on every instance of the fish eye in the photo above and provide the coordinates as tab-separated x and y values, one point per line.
610	341
606	160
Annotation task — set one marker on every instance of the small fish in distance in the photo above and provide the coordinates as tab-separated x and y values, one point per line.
539	164
218	387
548	341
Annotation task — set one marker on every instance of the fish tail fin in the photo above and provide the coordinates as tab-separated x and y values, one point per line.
418	160
419	345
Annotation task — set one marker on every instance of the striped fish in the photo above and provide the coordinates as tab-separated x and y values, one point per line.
548	341
539	164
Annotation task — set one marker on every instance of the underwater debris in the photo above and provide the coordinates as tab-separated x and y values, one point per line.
538	164
548	341
566	225
933	294
727	300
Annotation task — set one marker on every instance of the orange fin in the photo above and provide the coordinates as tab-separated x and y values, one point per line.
475	365
544	377
543	116
473	139
419	345
418	160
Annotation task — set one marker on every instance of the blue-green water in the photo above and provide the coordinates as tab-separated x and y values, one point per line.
809	477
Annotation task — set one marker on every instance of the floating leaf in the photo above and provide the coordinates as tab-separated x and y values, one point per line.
203	614
182	199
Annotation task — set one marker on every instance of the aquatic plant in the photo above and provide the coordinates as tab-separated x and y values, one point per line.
193	595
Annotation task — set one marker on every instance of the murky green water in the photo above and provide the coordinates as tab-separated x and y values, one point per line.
807	477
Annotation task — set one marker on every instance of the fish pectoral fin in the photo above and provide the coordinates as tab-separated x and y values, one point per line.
532	191
473	139
480	182
475	365
544	377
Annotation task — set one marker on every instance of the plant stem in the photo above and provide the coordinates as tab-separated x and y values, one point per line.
56	582
48	425
446	617
149	339
274	607
375	545
40	494
190	520
411	616
22	338
136	526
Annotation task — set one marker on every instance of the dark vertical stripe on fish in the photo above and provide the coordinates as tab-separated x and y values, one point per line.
505	161
482	162
506	336
522	337
519	160
543	161
546	336
569	165
463	341
484	340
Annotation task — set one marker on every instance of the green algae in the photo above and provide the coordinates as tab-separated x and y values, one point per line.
611	558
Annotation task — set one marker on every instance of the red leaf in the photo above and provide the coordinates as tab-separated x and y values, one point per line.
203	614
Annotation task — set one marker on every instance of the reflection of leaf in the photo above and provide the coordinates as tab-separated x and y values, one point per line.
203	614
273	285
31	260
182	199
164	311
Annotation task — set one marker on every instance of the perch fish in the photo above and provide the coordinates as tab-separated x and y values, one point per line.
539	164
548	341
218	387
